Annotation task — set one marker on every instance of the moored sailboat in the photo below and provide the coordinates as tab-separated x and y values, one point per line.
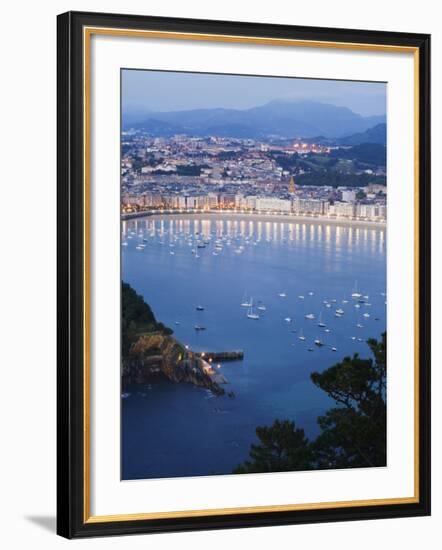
356	293
251	313
245	301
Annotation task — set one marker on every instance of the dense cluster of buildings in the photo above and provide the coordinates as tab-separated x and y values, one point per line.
224	174
373	209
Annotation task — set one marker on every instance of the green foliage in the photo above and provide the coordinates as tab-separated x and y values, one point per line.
137	164
283	448
353	434
136	318
286	162
367	153
184	170
340	167
227	155
336	179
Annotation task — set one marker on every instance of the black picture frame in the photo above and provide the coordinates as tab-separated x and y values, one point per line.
71	518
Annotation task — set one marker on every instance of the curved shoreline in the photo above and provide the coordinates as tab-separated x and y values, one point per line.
257	217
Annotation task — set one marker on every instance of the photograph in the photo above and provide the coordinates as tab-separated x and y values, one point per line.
253	274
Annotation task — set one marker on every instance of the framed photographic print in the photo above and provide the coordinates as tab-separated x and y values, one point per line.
243	218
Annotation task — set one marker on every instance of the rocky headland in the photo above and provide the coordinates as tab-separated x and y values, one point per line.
150	351
156	354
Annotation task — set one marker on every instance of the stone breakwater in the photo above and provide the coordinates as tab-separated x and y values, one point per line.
157	354
221	356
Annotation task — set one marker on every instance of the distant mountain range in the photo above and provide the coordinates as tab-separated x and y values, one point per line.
284	119
377	134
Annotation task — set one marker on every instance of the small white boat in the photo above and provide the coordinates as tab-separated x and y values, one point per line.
252	315
301	336
199	308
318	343
340	311
262	307
359	325
328	305
356	293
366	315
246	302
301	297
288	319
199	327
321	322
334	349
310	316
327	330
282	294
311	293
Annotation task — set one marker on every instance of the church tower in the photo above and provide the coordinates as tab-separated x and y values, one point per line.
292	187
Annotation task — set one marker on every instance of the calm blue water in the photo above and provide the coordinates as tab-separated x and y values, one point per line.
178	430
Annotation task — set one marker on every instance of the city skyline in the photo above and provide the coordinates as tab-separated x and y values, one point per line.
167	91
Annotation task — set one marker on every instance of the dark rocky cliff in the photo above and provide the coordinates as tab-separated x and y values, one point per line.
149	350
157	354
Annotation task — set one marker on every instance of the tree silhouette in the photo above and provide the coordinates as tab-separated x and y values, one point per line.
283	448
353	434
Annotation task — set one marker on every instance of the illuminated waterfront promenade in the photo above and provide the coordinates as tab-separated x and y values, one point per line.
258	216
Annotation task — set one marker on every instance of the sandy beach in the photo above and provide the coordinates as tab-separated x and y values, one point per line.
290	218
